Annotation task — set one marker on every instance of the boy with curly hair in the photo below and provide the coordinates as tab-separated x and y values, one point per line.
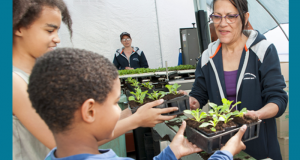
76	92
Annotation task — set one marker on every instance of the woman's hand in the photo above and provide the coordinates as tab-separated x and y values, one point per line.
128	68
194	104
183	92
252	113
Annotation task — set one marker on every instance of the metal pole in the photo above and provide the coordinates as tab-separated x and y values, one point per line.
167	72
161	57
274	19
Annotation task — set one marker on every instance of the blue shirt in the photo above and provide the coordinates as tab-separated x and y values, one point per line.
221	155
166	154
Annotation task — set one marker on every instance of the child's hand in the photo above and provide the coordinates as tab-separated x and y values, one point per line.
147	116
181	146
235	144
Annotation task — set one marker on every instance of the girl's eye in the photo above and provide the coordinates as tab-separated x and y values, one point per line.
50	31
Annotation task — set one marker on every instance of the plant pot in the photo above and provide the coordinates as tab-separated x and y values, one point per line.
210	134
252	131
181	102
208	144
227	137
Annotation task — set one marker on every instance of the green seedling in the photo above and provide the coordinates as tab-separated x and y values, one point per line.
173	88
130	80
226	117
199	117
148	70
135	84
240	113
212	123
147	85
139	96
226	106
156	95
216	109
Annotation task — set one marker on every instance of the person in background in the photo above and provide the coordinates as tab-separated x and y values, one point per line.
81	116
129	57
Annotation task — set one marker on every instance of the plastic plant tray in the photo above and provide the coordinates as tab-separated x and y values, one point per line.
252	131
137	75
181	102
164	73
186	71
209	144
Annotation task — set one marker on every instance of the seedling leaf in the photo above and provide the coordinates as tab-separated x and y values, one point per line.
205	124
187	111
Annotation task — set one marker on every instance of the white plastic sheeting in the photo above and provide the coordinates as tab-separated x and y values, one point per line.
277	37
97	25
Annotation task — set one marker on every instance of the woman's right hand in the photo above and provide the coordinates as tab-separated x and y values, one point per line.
194	104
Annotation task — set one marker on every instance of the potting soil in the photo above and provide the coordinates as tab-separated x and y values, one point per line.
245	120
195	124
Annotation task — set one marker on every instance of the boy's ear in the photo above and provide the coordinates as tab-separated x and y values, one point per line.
19	32
88	110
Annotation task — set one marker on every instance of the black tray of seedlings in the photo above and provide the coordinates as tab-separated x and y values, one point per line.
181	102
214	141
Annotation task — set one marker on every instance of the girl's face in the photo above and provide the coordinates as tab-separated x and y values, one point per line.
42	35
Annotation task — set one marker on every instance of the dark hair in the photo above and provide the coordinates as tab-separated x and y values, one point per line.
25	12
124	34
63	79
242	7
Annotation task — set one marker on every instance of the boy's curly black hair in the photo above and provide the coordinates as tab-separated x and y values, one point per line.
63	79
25	12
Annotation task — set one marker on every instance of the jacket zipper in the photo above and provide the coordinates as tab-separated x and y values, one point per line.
127	58
240	77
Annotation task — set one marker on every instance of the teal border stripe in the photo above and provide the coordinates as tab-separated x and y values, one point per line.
294	88
6	79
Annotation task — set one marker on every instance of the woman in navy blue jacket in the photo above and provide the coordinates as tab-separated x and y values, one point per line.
242	66
129	57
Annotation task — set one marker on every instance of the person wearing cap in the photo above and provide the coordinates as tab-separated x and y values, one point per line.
129	57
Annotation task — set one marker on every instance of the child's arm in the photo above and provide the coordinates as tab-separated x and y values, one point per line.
179	147
232	147
27	115
145	116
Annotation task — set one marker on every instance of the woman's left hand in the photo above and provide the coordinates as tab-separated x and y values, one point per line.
252	113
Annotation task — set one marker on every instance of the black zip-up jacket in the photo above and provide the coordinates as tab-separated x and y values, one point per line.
137	59
259	82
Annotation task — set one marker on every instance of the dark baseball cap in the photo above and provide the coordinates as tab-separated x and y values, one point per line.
124	34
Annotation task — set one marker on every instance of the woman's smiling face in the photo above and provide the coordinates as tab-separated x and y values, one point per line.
227	32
